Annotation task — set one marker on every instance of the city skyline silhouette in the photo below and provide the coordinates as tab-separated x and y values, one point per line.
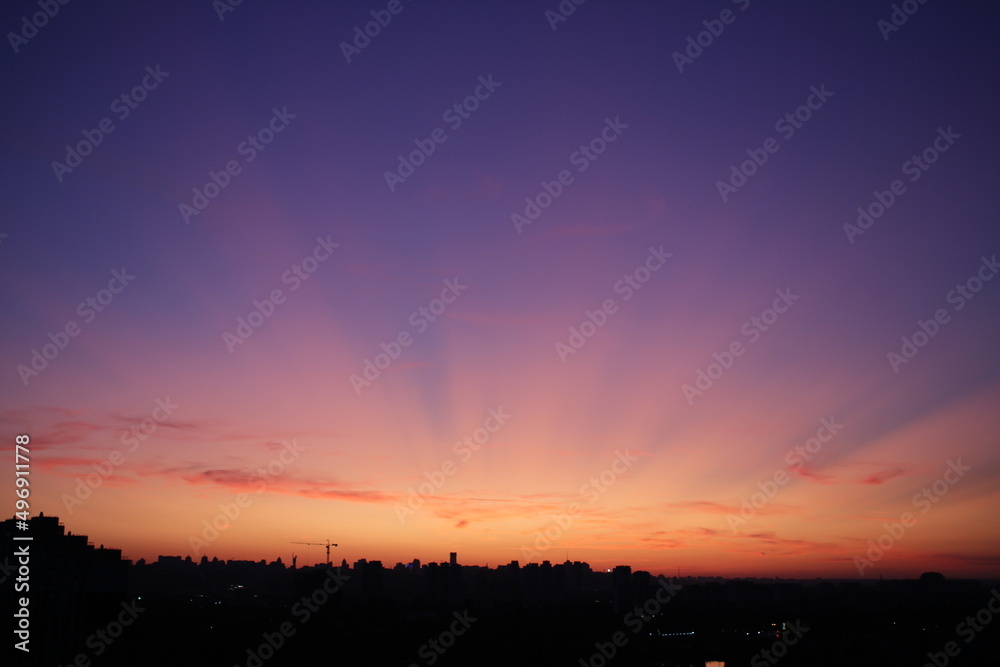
565	301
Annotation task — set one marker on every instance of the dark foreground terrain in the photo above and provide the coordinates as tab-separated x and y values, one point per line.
90	607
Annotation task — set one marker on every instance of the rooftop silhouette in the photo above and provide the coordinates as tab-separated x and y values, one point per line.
89	604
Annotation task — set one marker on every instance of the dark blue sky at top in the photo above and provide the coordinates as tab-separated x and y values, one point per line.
324	175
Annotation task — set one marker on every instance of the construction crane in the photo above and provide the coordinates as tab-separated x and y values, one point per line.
320	544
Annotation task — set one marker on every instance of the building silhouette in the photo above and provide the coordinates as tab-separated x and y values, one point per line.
74	588
214	612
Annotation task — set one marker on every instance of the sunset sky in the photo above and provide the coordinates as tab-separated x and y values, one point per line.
640	234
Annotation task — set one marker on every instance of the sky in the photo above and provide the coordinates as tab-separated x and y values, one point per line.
695	285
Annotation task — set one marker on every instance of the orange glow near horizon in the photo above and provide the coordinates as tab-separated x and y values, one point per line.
654	484
665	351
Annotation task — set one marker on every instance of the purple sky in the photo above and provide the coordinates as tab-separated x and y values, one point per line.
506	339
